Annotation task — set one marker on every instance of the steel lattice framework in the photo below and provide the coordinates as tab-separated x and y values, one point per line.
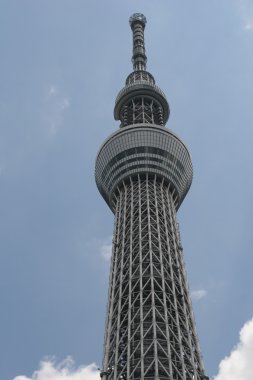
144	171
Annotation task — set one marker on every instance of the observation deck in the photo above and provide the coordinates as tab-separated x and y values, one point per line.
140	150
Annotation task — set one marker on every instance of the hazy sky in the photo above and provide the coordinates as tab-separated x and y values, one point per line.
62	64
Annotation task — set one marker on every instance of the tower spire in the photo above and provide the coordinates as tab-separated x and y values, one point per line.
141	100
138	22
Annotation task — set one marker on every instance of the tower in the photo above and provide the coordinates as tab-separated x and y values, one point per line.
144	171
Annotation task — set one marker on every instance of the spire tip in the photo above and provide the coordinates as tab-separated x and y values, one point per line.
137	17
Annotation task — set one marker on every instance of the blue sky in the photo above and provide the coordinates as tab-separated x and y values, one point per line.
62	64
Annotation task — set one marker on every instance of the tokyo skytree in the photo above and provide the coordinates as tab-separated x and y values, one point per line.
144	171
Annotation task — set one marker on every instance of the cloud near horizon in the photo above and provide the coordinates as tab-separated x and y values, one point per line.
238	365
65	370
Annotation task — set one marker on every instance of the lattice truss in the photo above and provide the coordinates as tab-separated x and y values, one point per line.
150	329
142	110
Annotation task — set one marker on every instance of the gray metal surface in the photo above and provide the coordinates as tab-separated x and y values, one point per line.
137	22
142	149
144	171
150	331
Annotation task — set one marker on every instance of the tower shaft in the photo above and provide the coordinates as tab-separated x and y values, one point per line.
150	331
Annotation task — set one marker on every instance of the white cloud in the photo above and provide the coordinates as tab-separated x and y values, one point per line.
49	370
197	295
102	247
106	249
248	25
56	104
239	364
52	90
246	7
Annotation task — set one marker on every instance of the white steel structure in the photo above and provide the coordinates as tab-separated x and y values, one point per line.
144	171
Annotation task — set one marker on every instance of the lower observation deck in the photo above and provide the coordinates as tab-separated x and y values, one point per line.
142	149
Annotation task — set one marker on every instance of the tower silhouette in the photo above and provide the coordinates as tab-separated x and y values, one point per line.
144	171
